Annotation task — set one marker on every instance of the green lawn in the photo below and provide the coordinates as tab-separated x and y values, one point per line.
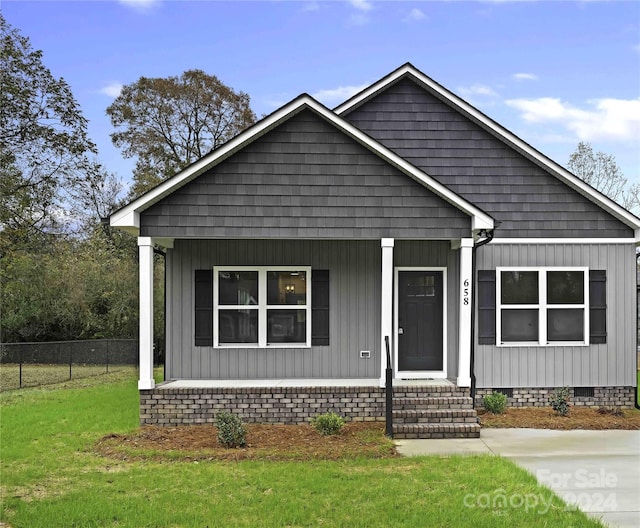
52	478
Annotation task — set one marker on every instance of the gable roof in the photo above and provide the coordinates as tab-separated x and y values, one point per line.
498	131
128	217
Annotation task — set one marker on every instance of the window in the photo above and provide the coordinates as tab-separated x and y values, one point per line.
543	306
262	307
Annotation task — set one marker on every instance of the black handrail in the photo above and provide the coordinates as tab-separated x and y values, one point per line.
389	392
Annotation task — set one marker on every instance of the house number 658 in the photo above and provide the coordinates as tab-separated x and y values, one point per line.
465	292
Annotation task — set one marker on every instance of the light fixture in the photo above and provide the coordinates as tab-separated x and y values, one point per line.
290	288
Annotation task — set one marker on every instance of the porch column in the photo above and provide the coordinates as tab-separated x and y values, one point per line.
145	247
386	305
464	328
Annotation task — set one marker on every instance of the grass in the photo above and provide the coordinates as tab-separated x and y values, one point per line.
35	374
52	476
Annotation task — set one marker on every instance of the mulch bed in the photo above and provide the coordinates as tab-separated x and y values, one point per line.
546	418
264	442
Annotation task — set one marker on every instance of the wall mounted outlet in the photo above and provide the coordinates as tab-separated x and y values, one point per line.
365	354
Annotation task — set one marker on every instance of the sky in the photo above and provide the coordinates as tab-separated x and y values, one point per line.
554	73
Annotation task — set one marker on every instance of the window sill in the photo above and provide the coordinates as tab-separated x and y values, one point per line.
529	344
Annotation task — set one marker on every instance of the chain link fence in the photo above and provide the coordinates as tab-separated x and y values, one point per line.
32	364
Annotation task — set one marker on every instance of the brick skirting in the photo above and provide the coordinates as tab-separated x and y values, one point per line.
278	405
536	397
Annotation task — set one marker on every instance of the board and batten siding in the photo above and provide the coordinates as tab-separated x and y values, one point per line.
600	365
474	163
354	268
304	179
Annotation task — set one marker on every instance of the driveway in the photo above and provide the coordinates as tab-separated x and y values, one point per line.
597	471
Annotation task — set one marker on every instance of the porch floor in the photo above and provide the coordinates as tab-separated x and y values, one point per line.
356	382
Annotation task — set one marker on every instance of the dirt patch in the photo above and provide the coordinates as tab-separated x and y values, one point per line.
264	442
546	418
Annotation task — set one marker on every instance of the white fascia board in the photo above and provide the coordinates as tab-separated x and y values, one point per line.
581	241
479	219
128	217
563	174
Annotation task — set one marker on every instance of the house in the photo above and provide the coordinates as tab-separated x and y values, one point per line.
295	249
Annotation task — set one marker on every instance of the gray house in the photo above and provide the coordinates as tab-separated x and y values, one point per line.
296	250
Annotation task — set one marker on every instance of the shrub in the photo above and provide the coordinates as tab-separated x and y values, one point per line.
231	430
559	401
328	423
495	402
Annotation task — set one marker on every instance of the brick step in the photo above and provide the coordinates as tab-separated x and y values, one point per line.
435	430
426	391
431	402
416	416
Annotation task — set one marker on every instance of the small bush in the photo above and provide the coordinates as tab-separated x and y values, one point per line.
328	423
559	401
495	403
231	430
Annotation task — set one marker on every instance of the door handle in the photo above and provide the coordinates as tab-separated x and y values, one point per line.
400	331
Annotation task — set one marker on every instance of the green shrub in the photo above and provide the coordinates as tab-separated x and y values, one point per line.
559	401
495	402
231	430
328	423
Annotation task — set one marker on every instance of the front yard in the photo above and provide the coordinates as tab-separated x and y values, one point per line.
55	473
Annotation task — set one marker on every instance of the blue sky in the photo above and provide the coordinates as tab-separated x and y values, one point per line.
552	72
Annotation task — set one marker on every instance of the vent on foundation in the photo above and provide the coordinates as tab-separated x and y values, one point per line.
583	392
507	392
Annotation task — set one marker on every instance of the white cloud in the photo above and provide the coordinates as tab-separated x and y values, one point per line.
112	89
362	5
525	76
414	15
478	89
605	119
140	5
334	96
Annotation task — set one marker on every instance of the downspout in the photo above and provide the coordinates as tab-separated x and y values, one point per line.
488	237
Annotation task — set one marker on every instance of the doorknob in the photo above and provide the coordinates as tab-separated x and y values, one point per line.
400	331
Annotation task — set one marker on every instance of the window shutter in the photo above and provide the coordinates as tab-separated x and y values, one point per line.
203	295
597	306
486	307
319	307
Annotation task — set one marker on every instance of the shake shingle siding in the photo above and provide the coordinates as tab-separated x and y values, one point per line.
304	179
473	163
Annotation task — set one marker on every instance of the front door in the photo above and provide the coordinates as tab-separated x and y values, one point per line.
420	324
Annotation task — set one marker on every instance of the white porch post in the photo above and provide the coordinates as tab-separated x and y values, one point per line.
386	305
464	328
145	247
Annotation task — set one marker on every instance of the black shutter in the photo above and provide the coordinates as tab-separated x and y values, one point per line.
204	307
320	307
597	306
486	307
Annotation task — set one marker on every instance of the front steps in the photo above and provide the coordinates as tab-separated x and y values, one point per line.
433	411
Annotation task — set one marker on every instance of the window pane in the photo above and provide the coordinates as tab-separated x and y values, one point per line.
565	324
520	325
565	287
238	326
287	287
519	287
286	326
237	287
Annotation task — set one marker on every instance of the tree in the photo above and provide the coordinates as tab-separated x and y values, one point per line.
168	123
601	171
44	147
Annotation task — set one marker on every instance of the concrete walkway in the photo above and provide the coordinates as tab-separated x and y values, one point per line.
598	471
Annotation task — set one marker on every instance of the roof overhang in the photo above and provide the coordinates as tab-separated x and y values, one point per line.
128	217
408	70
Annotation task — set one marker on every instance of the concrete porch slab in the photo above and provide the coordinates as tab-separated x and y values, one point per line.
267	383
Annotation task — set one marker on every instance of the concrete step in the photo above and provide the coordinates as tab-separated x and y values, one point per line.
432	402
434	416
436	430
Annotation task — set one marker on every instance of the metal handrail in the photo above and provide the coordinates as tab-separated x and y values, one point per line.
389	392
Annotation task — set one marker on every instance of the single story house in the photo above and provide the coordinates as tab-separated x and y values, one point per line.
298	249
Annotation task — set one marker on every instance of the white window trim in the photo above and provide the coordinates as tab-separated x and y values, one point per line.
541	306
261	307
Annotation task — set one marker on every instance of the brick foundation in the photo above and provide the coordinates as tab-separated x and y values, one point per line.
539	397
279	405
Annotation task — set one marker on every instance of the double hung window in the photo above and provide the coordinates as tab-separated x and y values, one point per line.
262	306
543	306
